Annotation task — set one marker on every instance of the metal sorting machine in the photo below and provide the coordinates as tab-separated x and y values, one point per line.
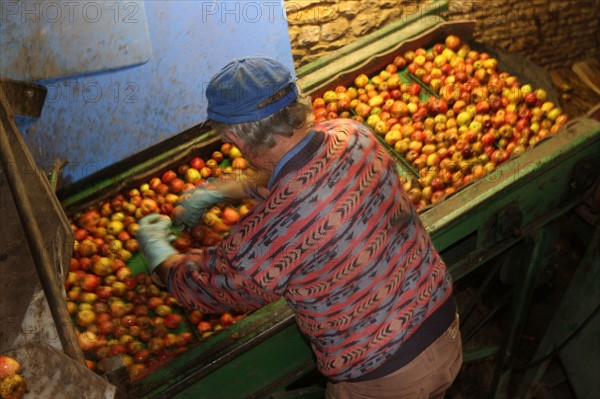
502	223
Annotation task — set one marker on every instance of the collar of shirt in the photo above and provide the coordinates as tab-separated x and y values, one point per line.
289	155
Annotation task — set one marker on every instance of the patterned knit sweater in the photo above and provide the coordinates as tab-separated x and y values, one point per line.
338	238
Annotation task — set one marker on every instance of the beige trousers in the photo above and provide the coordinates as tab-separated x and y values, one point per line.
428	376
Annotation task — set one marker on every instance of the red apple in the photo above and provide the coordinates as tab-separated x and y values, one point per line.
124	235
130	282
530	99
132	347
459	106
217	156
118	309
184	339
87	248
102	314
141	356
195	317
173	320
89	219
154	183
168	176
399	109
154	302
155	345
483	107
85	263
8	367
197	163
128	320
163	189
437	106
144	322
453	42
160	330
118	349
399	61
239	163
226	147
170	340
230	216
81	234
143	278
74	265
136	201
145	335
89	282
106	327
181	169
204	327
123	273
176	185
226	319
498	156
88	340
488	139
522	124
116	204
140	310
148	206
182	243
132	245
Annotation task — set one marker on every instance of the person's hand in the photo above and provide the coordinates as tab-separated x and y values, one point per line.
190	208
154	236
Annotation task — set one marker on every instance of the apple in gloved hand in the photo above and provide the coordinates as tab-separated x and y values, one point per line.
155	236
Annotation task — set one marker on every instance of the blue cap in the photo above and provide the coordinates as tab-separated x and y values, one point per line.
244	90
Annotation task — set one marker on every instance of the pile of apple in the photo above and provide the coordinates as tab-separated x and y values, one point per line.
469	118
12	384
119	313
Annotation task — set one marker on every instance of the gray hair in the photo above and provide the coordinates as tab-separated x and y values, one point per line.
262	134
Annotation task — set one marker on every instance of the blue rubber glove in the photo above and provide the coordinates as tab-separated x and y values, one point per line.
192	206
154	237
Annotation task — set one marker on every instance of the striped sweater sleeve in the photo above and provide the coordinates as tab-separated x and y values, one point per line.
202	279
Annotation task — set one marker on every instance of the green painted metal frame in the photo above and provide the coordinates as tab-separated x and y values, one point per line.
247	375
253	345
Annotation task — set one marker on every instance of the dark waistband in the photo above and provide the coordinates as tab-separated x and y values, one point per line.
431	329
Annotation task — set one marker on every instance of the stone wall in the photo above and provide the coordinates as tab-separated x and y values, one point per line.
552	33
